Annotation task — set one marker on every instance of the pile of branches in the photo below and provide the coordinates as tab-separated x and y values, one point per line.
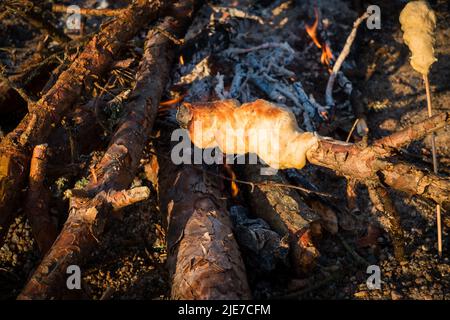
205	236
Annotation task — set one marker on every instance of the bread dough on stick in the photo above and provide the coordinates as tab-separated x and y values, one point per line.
418	22
260	127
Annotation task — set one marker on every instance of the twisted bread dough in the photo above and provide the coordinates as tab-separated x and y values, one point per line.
418	23
258	127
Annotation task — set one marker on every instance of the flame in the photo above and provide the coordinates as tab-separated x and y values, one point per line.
172	101
181	60
170	104
312	30
327	55
234	187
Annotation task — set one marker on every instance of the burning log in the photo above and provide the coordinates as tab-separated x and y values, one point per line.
89	207
204	259
286	213
34	129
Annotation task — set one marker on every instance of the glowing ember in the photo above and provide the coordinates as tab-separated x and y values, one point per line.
327	55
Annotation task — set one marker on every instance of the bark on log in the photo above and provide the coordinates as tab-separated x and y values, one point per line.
15	148
204	259
36	204
286	213
367	164
89	207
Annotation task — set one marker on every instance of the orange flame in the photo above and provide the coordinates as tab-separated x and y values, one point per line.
234	187
312	30
170	104
327	55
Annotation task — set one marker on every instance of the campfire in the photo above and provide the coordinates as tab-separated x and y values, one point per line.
223	150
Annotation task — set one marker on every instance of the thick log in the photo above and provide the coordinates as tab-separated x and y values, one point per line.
286	213
36	204
204	259
89	207
15	148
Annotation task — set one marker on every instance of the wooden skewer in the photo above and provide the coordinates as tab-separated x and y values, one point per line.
435	163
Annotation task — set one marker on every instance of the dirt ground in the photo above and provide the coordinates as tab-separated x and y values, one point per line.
129	262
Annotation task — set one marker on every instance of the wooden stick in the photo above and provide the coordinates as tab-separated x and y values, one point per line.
340	60
435	162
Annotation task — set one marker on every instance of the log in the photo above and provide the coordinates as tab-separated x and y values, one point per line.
286	213
204	260
34	129
367	164
36	204
89	207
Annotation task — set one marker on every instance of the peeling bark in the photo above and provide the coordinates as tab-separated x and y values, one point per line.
34	129
203	257
86	221
367	163
89	207
36	204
